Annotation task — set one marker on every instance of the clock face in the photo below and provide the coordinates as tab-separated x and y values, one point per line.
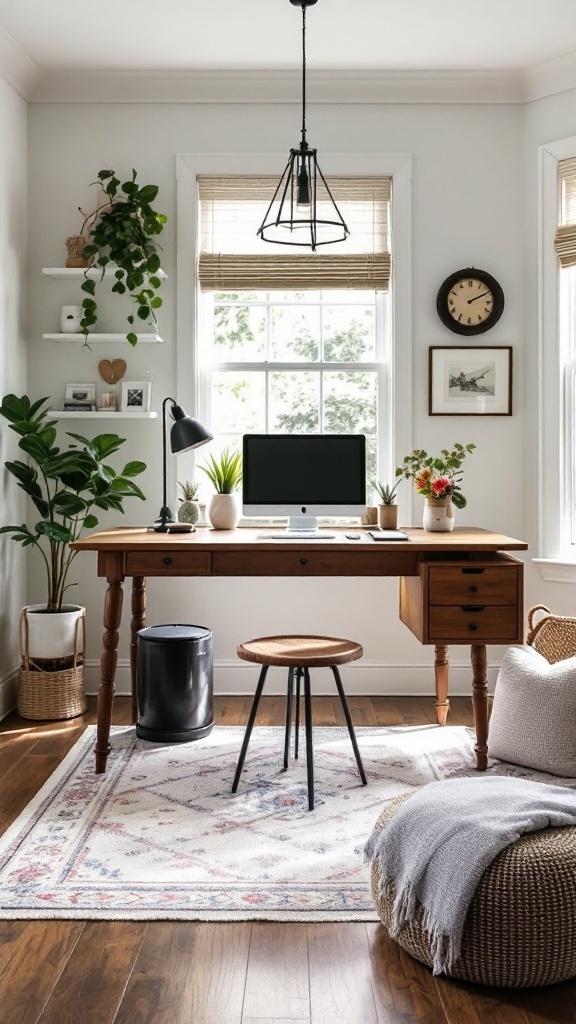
470	301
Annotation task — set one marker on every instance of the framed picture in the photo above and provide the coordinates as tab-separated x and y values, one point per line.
136	396
80	393
471	381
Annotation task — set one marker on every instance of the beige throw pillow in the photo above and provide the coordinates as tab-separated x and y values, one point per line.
533	720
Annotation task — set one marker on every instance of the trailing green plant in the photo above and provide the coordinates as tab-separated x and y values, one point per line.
386	493
437	477
122	234
64	485
224	471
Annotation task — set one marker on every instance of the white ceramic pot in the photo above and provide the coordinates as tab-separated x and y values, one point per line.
51	634
224	511
438	515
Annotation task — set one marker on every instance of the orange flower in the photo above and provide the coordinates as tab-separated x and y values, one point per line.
422	479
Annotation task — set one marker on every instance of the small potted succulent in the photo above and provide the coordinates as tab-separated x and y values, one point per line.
188	511
225	475
387	507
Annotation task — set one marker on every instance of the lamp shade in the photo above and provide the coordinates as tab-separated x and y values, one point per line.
186	432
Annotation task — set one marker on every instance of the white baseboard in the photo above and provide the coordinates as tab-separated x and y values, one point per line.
8	692
360	678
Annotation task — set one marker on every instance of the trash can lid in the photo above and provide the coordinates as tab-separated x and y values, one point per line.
174	631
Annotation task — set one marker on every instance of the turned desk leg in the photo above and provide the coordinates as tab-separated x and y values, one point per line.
442	704
137	622
480	704
112	616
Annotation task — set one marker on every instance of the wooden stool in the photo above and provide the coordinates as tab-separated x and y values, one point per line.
299	654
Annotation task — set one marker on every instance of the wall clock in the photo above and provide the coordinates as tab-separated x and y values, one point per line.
470	301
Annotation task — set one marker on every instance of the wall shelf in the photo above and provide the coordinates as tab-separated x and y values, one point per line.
69	273
102	338
110	414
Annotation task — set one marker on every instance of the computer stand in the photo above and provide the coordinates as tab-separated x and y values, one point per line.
299	524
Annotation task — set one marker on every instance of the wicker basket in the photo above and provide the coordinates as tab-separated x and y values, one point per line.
51	695
553	636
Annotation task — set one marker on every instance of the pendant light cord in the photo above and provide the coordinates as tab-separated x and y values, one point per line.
304	144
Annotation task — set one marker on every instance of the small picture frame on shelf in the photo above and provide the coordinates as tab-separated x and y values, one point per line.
471	381
136	396
80	394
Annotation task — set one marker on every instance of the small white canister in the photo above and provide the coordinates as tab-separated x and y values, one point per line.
70	318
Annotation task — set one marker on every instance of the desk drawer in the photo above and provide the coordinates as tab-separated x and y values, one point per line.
477	585
168	563
313	563
474	624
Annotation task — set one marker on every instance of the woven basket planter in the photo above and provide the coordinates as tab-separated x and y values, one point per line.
46	696
520	930
553	636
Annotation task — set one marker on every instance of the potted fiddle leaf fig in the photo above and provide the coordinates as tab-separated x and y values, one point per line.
66	486
121	234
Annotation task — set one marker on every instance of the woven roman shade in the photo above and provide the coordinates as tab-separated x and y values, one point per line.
565	240
233	257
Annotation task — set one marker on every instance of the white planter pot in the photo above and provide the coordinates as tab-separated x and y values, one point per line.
438	515
51	634
224	511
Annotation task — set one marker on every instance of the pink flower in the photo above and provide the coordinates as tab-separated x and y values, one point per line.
441	484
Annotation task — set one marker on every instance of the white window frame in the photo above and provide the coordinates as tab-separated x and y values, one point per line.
557	554
396	423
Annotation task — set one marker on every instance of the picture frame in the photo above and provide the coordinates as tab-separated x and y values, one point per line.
80	393
135	396
471	381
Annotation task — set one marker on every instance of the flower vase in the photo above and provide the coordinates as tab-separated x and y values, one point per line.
438	515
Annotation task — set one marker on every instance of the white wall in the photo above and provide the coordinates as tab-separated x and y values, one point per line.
13	189
467	210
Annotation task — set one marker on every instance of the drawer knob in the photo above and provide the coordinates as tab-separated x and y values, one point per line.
473	626
167	560
473	589
303	561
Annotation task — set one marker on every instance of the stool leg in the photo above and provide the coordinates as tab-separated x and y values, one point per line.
288	716
251	720
297	713
348	718
309	751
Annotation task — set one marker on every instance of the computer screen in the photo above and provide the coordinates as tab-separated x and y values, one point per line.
304	475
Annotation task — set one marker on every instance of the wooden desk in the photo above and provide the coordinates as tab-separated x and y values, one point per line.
455	588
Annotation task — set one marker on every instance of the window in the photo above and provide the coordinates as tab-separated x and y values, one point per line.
292	341
565	246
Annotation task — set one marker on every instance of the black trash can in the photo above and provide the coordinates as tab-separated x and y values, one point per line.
174	683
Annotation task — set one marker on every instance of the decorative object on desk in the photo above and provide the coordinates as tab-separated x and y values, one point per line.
92	871
121	233
188	511
470	301
225	475
112	370
438	479
75	245
303	199
470	381
70	317
65	486
370	517
107	402
136	396
185	433
387	509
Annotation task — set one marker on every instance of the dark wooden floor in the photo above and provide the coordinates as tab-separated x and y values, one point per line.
137	972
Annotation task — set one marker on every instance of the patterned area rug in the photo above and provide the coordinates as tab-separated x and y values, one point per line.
160	836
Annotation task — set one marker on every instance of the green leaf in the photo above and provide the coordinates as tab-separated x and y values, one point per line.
156	282
103	175
133	468
156	302
105	444
153	263
67	504
54	531
90	522
119	288
143	312
147	194
34	446
132	338
88	286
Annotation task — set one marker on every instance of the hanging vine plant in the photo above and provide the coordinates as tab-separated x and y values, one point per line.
122	234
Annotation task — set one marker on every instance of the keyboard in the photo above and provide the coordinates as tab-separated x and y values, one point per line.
296	535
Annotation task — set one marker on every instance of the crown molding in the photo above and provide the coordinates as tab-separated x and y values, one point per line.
273	86
16	67
550	78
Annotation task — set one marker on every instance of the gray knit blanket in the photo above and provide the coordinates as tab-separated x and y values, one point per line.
440	841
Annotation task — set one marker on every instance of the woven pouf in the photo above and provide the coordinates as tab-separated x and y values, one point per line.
520	929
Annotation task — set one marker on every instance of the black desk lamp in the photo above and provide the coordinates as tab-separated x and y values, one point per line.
185	433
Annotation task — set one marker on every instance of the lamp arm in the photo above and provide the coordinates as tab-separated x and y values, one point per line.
164	495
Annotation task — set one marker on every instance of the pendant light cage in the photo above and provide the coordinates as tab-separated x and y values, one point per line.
303	211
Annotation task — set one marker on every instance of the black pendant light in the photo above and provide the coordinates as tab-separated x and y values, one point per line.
303	211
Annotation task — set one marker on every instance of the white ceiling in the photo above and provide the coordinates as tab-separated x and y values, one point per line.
390	35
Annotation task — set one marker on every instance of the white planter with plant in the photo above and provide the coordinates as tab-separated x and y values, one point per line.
65	486
225	475
437	478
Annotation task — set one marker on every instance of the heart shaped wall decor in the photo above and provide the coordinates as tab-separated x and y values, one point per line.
112	370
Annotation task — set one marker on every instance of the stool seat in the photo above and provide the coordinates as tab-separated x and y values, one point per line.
300	651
